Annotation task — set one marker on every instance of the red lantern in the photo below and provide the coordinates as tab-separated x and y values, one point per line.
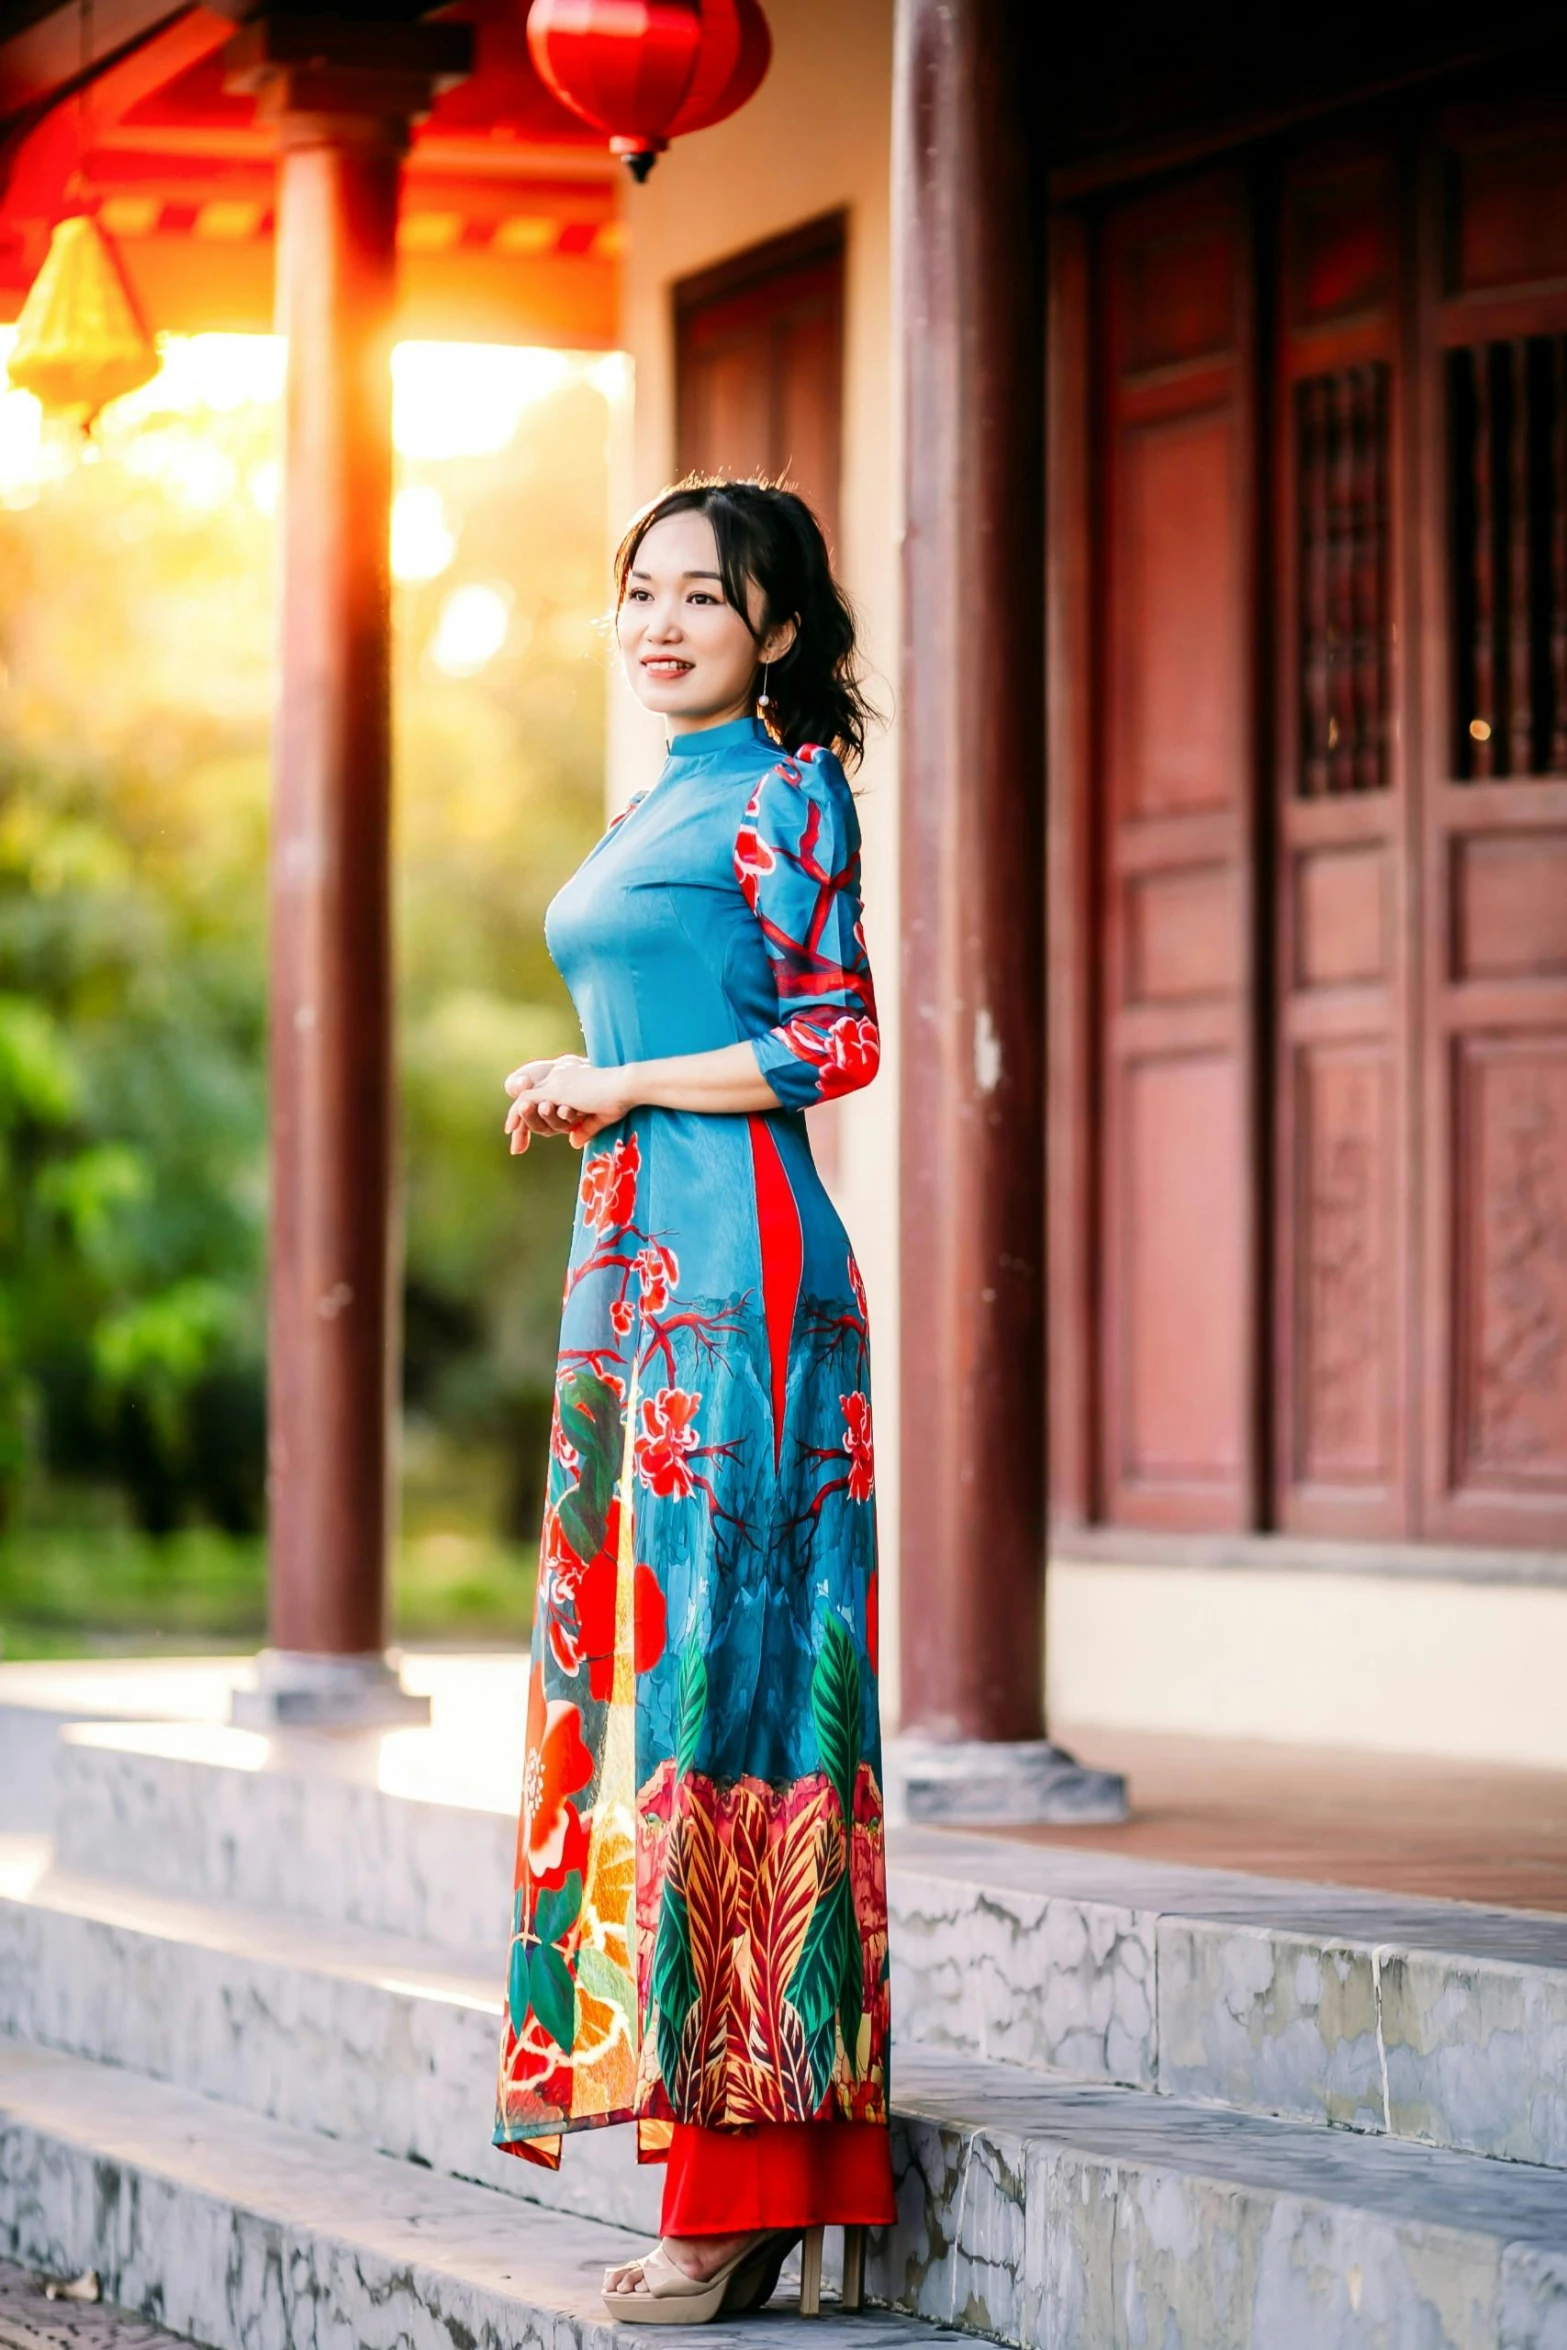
647	70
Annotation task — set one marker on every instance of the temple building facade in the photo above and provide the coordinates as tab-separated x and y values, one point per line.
1190	425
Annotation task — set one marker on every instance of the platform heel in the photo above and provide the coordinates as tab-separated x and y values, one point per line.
811	2273
854	2268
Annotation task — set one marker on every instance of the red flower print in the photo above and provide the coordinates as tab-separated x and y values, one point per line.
846	1056
666	1436
660	1272
857	1444
620	1317
858	1287
609	1185
580	1598
753	856
554	1833
649	1620
561	1447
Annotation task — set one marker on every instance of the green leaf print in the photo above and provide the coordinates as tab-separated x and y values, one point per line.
835	1710
590	1421
672	1991
691	1701
813	1989
540	1977
830	1977
554	1996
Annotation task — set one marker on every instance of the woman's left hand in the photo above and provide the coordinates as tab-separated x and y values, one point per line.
583	1099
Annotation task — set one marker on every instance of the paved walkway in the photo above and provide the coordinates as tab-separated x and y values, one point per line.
1394	1823
30	2321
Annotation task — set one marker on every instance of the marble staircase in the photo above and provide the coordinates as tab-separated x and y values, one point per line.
249	2006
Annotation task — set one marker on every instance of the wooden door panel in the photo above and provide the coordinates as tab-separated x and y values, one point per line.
1342	1088
1345	1393
1494	827
729	417
1343	931
806	428
1183	703
1510	906
759	366
1510	1426
1507	223
1178	1359
1183	1338
1182	939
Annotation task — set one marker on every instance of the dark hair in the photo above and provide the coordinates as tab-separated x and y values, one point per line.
770	536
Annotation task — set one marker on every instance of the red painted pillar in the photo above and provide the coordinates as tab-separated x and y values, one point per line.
970	224
972	878
342	97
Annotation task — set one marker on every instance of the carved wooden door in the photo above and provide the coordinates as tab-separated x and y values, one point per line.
1321	923
1494	828
759	366
1178	1339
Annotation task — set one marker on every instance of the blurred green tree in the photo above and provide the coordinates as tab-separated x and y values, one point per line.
135	685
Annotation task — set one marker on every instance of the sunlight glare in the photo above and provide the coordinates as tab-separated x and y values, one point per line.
471	630
467	399
449	400
179	458
423	542
265	485
215	372
611	376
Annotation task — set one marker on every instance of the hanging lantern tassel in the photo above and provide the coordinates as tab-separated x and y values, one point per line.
80	340
647	71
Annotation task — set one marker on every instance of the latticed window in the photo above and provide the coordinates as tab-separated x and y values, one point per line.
1507	470
1341	429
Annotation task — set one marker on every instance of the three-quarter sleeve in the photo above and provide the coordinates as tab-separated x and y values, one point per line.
797	859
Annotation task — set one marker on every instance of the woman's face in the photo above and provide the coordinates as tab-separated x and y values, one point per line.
688	653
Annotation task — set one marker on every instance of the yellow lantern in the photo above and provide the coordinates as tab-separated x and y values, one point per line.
80	340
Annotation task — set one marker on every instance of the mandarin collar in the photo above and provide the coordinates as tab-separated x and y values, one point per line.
705	741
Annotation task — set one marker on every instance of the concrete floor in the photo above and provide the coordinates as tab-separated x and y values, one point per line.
1395	1823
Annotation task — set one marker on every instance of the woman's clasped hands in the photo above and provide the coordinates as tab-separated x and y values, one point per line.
567	1095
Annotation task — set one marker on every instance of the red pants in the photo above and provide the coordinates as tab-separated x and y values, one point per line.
778	2175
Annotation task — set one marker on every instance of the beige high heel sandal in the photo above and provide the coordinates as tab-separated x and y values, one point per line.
760	2287
747	2282
672	2298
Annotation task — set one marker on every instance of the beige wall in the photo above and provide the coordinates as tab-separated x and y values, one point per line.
814	139
1404	1665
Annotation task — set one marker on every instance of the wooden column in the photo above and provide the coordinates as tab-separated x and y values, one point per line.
972	875
331	1103
342	122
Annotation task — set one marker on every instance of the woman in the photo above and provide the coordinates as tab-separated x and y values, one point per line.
700	1922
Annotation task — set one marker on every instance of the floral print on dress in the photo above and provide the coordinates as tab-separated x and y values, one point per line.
699	1920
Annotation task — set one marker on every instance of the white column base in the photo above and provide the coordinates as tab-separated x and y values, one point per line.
294	1690
1008	1783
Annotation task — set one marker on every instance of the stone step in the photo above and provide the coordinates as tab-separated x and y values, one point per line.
388	2043
1048	2211
393	1831
245	2234
1033	2210
1437	2022
1432	2021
